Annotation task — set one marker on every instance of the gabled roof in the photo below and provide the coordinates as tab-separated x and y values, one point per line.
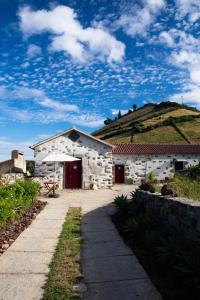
66	132
132	148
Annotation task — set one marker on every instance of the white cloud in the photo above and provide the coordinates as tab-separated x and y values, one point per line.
68	35
186	56
140	19
6	146
190	95
116	111
49	111
166	38
190	8
33	50
38	96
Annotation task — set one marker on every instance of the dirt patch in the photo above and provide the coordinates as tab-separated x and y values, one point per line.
12	230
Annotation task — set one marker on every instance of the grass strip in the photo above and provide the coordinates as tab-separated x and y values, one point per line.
65	270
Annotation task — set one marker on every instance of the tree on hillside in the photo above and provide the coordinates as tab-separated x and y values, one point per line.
119	114
108	121
134	106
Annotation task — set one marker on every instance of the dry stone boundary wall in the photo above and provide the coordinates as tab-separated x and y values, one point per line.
177	217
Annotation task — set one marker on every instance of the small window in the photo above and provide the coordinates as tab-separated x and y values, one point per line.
179	165
74	136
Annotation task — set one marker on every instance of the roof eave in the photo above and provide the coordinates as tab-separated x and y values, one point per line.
67	131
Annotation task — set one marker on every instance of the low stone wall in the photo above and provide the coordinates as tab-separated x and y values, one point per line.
177	217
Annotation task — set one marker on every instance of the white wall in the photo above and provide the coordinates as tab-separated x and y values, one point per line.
138	167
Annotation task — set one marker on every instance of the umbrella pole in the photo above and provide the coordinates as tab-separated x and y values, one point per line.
54	179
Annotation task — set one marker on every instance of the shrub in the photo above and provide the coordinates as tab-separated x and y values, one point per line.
147	186
167	190
167	253
152	177
121	203
15	198
137	226
194	172
152	238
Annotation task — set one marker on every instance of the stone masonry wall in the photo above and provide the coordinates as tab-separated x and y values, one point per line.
138	167
177	217
96	160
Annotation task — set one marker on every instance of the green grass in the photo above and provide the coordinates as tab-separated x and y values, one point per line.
65	270
163	134
120	130
191	129
186	187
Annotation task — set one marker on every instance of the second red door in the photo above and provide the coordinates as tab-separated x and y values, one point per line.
119	173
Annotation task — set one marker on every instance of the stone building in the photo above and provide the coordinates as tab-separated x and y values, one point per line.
138	160
16	164
93	169
101	163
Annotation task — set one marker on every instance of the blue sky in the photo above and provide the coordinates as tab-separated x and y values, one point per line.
76	62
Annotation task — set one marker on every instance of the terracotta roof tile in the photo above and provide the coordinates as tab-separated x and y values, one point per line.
132	148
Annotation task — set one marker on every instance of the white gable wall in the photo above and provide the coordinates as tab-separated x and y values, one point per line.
96	160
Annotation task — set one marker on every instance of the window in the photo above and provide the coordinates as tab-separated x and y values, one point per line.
74	136
179	165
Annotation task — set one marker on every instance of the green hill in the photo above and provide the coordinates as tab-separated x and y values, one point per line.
167	122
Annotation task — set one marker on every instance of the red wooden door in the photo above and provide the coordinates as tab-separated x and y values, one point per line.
73	175
119	174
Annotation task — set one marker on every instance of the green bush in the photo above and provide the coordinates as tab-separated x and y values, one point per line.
15	198
194	172
168	252
152	177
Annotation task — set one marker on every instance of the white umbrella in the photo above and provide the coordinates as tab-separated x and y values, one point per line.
58	158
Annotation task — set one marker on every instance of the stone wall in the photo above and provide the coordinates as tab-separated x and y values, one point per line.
96	160
177	217
138	167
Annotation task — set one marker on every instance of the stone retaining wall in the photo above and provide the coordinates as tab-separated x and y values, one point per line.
177	217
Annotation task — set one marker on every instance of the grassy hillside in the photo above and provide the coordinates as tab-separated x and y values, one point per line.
155	123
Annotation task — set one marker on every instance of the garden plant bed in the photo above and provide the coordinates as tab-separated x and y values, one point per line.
64	278
13	228
173	268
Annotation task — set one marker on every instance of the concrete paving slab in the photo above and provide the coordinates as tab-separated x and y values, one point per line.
93	211
85	227
31	244
105	249
43	233
25	262
52	215
112	269
140	289
50	224
21	287
100	236
95	220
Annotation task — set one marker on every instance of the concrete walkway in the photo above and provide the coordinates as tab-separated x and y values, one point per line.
111	271
24	266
